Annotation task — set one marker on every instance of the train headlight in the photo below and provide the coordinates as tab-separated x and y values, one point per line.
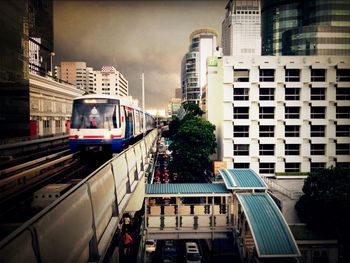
108	136
81	137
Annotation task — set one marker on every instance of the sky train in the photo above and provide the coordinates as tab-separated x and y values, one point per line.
105	123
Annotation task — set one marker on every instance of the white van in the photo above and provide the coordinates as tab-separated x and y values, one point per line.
192	253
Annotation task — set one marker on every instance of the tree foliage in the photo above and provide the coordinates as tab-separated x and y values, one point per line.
193	141
325	204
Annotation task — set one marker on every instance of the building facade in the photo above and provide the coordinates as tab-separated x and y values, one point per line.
288	115
109	81
76	73
241	28
26	34
298	27
194	67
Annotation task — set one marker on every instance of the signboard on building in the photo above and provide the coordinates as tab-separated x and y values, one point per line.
212	61
219	165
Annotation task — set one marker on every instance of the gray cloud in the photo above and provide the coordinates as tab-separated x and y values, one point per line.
135	37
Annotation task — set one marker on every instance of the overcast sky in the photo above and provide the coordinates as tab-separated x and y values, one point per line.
134	36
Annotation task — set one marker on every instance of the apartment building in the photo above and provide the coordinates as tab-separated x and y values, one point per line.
109	81
288	114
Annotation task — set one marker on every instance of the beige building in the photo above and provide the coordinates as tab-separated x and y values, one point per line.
76	73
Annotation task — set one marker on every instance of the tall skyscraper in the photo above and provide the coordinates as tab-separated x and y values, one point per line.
241	28
26	43
76	73
318	27
194	64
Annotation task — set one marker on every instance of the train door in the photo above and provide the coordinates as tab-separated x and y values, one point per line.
123	121
137	122
129	130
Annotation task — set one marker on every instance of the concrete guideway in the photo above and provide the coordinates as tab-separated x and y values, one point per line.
80	225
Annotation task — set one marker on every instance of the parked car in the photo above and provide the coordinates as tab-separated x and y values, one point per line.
169	253
150	245
192	254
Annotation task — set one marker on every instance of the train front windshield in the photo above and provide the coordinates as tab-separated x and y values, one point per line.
95	114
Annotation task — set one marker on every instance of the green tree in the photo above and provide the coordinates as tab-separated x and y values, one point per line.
325	204
192	144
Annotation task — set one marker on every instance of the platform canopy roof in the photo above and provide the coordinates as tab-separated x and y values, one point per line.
242	179
198	189
270	231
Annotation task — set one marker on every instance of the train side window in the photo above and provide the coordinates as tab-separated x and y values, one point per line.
116	118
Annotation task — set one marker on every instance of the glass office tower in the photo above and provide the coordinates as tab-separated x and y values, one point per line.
314	27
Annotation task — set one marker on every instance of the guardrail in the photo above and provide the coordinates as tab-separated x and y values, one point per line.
79	226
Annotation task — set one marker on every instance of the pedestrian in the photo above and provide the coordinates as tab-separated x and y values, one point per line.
127	240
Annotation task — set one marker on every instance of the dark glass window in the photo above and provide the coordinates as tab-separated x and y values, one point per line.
266	149
241	75
317	131
240	94
266	94
240	131
241	149
266	131
318	75
343	74
292	131
343	112
342	149
292	167
318	112
267	168
267	75
292	149
292	94
266	112
317	166
241	112
241	165
318	93
292	75
343	94
342	130
317	149
292	112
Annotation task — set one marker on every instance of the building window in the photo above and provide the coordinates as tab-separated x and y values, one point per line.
266	112
292	94
292	149
345	165
267	94
343	94
318	93
241	165
241	112
292	112
343	112
318	112
320	256
317	149
342	130
317	166
342	149
241	75
266	168
267	75
343	74
266	149
241	149
292	75
266	131
240	94
240	131
292	167
317	131
292	131
318	75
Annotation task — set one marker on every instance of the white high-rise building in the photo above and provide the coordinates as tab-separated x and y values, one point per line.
194	64
241	28
109	81
280	115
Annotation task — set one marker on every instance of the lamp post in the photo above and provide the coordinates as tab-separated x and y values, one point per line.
51	55
143	99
